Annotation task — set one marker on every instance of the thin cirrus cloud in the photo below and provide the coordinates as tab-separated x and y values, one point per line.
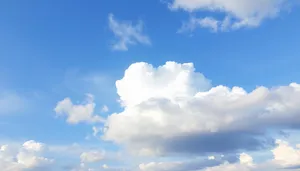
127	34
11	102
236	13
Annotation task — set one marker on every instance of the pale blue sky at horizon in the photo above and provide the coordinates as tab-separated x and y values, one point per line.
173	85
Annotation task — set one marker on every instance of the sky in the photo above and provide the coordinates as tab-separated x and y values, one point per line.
153	85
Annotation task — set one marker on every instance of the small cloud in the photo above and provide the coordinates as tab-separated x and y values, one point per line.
96	131
127	33
193	23
83	112
105	109
91	156
88	137
33	146
105	166
211	157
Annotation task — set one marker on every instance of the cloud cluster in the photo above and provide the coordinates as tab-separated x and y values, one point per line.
26	157
173	109
78	113
181	165
284	157
238	13
127	33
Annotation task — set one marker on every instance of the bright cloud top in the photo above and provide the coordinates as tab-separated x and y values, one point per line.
238	13
127	33
172	109
23	158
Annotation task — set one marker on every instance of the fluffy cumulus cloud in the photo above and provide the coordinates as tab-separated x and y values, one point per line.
173	109
285	155
238	13
127	33
77	113
91	156
33	146
26	157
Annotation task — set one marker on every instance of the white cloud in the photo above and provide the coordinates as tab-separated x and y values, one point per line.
105	109
246	159
78	113
91	156
23	158
179	165
283	153
211	157
208	22
193	23
230	167
96	130
105	166
285	157
172	108
242	13
142	82
187	165
33	146
127	33
153	166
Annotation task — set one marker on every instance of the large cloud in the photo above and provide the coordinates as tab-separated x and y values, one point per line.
173	109
238	13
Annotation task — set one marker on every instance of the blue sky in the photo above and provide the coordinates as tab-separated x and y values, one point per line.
54	51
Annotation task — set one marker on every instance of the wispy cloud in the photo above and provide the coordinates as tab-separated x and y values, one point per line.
11	102
236	13
206	22
127	33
